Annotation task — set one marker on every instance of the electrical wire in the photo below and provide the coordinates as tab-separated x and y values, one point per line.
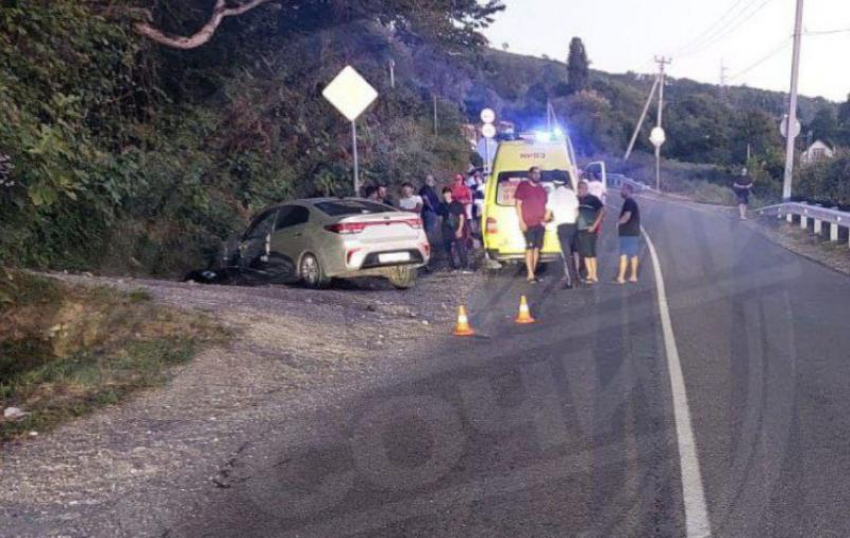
784	44
712	28
734	26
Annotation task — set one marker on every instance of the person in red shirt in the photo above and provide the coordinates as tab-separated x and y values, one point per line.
531	201
463	194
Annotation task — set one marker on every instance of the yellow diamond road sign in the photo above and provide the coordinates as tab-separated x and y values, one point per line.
350	93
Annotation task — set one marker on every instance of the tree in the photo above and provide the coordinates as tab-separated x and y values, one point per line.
454	23
843	137
202	36
824	126
578	66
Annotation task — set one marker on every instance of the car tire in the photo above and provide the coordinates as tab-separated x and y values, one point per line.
402	277
311	272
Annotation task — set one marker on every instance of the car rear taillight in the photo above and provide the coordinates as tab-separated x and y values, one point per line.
346	228
492	226
415	223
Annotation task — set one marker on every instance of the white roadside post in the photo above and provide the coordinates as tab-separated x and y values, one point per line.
658	137
833	231
351	95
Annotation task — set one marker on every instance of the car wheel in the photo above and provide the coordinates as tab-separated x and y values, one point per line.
402	277
311	272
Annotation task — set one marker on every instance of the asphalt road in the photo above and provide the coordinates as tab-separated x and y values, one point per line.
567	427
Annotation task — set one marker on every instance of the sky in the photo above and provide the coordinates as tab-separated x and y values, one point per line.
751	38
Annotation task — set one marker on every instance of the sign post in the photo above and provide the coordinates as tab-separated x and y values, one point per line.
351	95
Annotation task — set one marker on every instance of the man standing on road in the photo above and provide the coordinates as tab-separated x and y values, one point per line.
629	232
590	215
743	185
531	201
453	221
409	201
563	213
430	201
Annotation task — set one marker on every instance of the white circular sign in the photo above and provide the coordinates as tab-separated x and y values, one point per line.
783	127
658	137
488	131
488	115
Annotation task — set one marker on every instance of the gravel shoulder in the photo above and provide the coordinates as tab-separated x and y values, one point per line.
132	470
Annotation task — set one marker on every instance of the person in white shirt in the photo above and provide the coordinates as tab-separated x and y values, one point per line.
596	188
409	201
562	209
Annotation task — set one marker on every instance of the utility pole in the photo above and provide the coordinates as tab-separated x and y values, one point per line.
792	105
436	131
641	120
723	80
662	63
392	73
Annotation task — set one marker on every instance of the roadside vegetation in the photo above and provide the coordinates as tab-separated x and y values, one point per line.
66	350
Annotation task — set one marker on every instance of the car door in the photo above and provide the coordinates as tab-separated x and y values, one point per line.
289	240
254	247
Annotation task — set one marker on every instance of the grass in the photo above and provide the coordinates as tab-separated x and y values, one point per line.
67	350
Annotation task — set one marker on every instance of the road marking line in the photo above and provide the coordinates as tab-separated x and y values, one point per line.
696	513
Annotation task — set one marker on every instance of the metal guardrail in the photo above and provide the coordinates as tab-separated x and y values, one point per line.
814	214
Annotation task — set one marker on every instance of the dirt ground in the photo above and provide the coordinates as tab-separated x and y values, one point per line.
112	473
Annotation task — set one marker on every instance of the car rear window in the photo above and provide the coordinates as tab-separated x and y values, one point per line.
344	208
509	181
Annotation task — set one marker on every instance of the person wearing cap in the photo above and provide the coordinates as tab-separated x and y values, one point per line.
562	209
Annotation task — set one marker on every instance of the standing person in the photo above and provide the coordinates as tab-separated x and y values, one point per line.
371	192
431	201
743	185
453	218
629	232
596	188
531	200
563	213
409	201
463	195
383	196
591	211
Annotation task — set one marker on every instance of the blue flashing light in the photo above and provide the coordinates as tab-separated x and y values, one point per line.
558	132
542	136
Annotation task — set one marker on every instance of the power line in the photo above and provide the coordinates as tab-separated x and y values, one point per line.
734	26
773	52
711	28
828	32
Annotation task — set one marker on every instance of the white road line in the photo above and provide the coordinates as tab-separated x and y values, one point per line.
696	513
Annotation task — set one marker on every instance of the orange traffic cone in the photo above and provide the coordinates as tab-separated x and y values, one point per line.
524	315
462	328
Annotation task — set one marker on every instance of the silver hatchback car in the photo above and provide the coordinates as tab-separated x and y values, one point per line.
318	239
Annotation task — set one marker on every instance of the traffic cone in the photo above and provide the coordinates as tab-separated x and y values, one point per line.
462	328
524	315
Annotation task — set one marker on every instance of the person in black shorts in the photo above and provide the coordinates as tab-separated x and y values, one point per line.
743	185
531	198
591	211
629	234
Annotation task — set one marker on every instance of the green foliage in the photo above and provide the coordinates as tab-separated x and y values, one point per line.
125	156
826	181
